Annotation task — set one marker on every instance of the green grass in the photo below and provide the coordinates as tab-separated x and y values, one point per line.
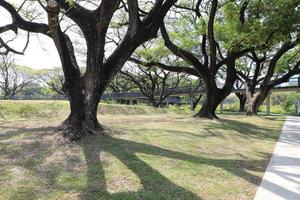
146	153
35	109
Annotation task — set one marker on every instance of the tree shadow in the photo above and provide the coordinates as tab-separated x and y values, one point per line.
246	129
155	185
11	131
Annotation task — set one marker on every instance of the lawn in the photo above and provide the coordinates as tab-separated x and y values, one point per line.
145	153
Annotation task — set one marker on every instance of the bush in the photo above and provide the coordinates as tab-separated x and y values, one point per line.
289	105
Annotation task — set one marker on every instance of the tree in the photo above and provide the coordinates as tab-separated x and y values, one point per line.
240	95
121	84
155	84
84	90
211	62
205	20
228	31
13	79
278	60
271	69
54	80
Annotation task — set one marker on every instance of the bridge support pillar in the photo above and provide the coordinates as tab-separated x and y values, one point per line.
191	104
222	106
131	102
268	104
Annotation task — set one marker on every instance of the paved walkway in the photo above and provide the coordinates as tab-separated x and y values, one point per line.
282	177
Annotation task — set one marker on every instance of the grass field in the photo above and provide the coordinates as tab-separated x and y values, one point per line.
146	153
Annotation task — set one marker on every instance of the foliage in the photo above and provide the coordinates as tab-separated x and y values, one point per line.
288	61
290	102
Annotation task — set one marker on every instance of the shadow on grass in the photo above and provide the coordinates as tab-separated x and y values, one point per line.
272	116
246	129
243	129
154	184
11	131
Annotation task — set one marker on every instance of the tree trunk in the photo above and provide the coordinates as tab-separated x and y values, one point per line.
215	95
84	101
82	119
242	99
155	104
242	105
208	110
194	105
254	103
212	100
251	109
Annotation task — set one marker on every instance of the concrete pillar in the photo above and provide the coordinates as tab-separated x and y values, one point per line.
191	103
268	104
131	102
298	107
222	106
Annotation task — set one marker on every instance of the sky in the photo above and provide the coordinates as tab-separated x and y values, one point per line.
41	52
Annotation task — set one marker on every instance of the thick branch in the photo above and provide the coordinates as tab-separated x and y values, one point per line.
185	55
19	22
178	69
271	68
62	43
134	18
211	36
287	76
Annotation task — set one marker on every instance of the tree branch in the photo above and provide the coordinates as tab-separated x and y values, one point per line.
185	55
178	69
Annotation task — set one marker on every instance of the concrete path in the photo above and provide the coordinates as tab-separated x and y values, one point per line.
282	177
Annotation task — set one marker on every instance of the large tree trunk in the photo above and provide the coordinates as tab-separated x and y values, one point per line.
82	119
242	99
255	101
215	95
155	104
212	100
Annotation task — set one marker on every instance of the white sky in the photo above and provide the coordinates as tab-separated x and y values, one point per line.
41	52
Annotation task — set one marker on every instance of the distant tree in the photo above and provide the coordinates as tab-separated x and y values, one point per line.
228	31
121	84
154	83
54	80
289	102
240	95
270	69
32	91
204	41
13	79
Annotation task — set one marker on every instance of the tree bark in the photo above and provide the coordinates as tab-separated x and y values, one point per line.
196	102
154	103
82	119
254	101
242	99
212	100
215	95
